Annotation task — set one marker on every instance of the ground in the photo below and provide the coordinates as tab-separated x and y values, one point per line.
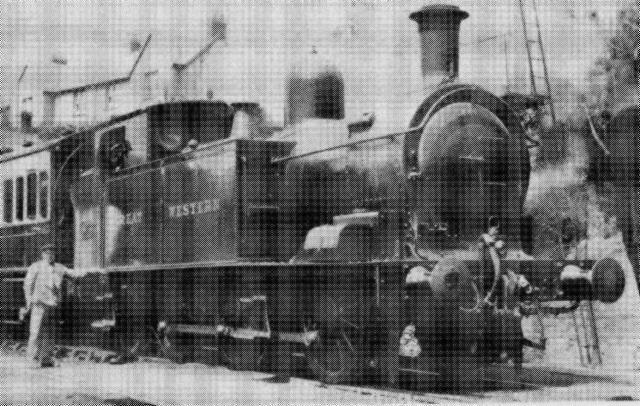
157	382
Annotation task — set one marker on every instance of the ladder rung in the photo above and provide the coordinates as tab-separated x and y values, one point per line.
544	96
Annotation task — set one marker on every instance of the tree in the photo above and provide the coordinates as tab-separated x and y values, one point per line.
620	67
613	86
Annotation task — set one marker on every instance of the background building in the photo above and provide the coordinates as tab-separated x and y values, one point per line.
71	62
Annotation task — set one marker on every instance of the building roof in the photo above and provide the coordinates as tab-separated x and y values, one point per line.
203	51
16	142
9	137
119	74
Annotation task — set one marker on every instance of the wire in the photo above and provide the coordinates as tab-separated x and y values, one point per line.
488	39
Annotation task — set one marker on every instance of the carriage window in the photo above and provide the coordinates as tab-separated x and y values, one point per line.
44	194
8	201
31	196
20	198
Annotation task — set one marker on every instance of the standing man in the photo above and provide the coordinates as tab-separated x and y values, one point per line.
42	291
492	251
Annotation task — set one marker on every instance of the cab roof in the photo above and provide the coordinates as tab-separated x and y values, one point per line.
16	144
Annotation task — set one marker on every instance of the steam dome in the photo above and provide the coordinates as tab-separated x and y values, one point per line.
314	89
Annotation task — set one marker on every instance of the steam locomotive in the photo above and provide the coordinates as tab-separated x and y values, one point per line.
214	240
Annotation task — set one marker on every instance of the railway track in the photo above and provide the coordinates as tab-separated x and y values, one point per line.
204	381
414	383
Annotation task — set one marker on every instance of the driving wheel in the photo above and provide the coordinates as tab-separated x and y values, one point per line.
333	358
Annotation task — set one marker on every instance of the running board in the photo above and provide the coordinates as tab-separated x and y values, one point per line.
305	338
12	322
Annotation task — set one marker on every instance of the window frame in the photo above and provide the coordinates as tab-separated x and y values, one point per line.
31	195
106	140
14	171
47	199
20	202
7	210
76	112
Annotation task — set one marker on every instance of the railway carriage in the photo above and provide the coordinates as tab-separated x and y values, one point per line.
36	208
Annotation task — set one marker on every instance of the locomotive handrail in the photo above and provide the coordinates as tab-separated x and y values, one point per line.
13	269
271	264
178	157
55	184
345	145
221	264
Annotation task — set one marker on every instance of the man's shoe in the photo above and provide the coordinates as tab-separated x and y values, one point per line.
47	364
278	378
122	359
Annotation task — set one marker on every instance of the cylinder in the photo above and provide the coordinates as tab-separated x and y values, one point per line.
439	28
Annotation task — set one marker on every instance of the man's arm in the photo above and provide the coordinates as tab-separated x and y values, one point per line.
29	282
74	273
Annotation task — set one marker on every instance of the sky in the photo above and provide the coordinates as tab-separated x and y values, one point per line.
361	34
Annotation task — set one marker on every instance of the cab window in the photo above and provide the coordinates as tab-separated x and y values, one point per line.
173	126
114	150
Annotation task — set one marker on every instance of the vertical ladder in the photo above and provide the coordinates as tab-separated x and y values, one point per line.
584	322
535	54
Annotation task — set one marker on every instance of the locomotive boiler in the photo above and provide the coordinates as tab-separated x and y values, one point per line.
328	240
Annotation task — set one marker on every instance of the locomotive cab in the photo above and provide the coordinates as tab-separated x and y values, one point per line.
175	187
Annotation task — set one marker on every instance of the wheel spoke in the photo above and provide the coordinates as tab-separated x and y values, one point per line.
332	358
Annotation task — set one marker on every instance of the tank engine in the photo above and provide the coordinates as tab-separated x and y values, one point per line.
213	241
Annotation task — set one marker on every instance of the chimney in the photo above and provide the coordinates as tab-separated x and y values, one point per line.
216	29
26	121
439	28
134	44
58	64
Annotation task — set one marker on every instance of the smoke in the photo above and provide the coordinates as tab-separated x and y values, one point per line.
557	191
565	175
